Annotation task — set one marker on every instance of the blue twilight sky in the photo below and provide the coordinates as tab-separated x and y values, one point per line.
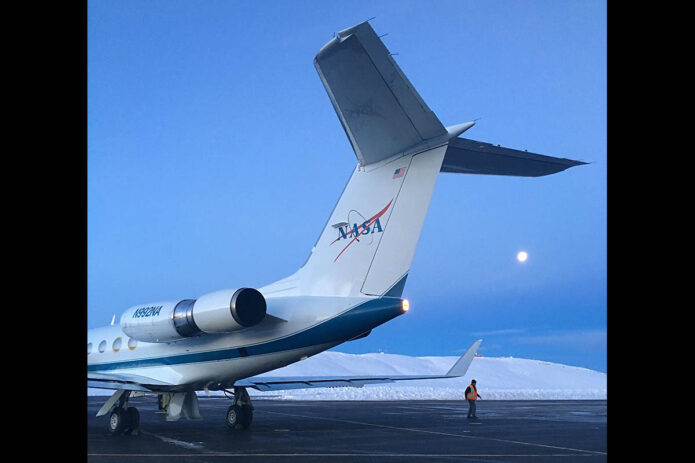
215	157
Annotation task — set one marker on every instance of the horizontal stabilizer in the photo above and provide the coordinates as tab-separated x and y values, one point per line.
381	113
464	156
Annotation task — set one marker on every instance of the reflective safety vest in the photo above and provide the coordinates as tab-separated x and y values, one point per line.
473	395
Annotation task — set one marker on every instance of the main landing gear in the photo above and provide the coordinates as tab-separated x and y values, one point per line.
124	419
240	413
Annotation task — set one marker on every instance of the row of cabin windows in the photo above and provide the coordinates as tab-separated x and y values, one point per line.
116	346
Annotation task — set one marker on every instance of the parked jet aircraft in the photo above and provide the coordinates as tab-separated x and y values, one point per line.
355	274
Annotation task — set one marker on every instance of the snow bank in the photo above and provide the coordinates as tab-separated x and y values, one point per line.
501	378
497	378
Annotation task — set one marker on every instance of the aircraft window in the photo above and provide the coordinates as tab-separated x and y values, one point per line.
102	347
132	343
89	348
116	344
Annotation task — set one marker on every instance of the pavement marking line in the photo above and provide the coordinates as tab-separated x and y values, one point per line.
437	432
351	455
180	443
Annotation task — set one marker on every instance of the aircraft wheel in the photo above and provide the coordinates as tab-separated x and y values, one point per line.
132	421
116	421
246	416
234	416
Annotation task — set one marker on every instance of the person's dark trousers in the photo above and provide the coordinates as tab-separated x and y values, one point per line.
471	408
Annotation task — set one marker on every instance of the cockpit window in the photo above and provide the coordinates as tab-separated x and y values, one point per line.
102	347
116	344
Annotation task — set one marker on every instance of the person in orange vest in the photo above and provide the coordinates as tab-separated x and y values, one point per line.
472	395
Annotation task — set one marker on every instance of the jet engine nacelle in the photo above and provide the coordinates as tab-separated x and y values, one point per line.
218	312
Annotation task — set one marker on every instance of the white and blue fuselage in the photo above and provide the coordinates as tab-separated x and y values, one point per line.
300	327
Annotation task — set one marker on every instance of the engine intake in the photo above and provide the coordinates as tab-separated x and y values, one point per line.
218	312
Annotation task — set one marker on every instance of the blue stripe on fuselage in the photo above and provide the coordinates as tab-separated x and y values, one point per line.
336	330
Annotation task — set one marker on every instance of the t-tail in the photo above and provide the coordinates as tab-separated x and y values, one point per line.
369	241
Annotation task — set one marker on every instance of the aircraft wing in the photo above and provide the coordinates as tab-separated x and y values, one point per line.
265	383
124	381
464	156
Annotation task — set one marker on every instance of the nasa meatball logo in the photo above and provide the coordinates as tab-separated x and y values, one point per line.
358	229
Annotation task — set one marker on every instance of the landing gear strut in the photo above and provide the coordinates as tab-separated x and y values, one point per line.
124	419
240	413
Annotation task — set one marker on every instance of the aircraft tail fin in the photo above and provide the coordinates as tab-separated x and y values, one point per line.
369	241
381	112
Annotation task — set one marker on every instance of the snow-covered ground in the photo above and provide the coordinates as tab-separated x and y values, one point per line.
498	378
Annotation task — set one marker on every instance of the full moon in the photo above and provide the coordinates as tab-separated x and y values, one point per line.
522	256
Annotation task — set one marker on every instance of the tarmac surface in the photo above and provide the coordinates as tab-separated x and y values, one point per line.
392	431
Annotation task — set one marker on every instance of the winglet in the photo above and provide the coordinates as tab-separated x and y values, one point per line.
461	366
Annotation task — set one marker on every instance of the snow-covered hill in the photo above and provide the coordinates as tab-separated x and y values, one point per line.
498	379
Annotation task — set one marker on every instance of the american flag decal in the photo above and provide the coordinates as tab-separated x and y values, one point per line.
399	172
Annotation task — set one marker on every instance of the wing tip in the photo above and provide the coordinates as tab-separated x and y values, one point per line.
464	362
